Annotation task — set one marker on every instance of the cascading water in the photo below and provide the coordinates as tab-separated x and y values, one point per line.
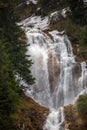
55	120
39	54
59	78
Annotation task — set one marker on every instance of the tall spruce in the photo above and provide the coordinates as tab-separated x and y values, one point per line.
8	90
15	48
13	61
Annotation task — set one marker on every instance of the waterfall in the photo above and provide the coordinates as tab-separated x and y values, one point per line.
59	78
38	50
83	79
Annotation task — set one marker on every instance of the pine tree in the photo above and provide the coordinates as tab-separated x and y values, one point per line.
13	61
8	90
16	48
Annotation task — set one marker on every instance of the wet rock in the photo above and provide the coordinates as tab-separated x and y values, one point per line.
53	71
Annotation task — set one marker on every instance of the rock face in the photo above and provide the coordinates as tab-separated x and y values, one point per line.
30	115
53	71
73	121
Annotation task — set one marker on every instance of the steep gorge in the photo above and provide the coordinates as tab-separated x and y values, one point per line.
59	78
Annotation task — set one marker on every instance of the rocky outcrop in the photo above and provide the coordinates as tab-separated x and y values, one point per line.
57	16
30	115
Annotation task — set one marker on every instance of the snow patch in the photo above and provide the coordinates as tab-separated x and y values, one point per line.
31	1
35	22
54	13
56	33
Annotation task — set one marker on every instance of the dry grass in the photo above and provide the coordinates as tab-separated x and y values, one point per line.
30	114
73	118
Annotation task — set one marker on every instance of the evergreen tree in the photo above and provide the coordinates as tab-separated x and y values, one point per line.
77	10
16	48
8	90
48	5
13	61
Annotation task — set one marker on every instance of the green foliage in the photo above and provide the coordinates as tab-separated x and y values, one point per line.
82	105
25	10
8	89
78	36
72	31
16	48
13	61
82	40
83	37
78	10
48	6
6	123
64	3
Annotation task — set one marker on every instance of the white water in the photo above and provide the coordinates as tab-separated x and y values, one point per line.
59	78
55	120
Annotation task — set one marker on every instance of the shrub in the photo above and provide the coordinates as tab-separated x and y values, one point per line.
82	105
83	37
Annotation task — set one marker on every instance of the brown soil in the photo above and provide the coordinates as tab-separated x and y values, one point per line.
30	115
73	120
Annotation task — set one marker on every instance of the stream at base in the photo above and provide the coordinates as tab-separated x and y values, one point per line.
55	120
